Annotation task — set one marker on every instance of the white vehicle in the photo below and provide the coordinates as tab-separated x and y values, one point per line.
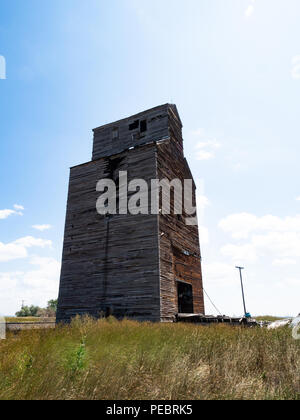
296	322
284	322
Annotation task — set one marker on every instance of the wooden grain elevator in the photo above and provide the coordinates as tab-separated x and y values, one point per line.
141	266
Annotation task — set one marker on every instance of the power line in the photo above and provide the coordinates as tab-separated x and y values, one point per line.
211	301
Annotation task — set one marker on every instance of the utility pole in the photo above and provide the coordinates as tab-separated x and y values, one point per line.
241	277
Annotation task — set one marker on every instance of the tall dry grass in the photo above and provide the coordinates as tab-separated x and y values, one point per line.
129	360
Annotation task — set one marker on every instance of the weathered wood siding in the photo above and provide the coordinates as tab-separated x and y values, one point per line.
109	262
157	128
124	264
180	257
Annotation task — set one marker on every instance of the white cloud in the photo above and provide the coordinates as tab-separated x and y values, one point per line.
9	280
292	282
201	198
202	202
47	274
12	251
35	286
42	228
265	292
240	253
219	274
267	236
30	241
238	225
280	244
205	147
269	248
241	225
2	67
205	150
4	214
238	167
250	10
18	249
281	262
200	132
208	143
276	245
296	67
204	155
204	235
18	207
298	198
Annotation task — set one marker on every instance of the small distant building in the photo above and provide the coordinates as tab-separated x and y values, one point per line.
145	266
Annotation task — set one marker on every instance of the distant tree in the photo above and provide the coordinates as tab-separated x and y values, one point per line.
50	311
35	311
42	313
52	305
28	311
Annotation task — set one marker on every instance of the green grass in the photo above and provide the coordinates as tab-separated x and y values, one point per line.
268	318
27	319
128	360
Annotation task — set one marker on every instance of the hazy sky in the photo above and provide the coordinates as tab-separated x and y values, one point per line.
233	69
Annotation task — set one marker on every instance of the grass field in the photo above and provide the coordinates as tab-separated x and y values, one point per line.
268	318
128	360
17	320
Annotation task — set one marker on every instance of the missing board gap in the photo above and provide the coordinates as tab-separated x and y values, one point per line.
143	126
134	125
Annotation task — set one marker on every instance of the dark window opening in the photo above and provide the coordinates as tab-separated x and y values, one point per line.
134	125
143	126
108	311
114	167
185	298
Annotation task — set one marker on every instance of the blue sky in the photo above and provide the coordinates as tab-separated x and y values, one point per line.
233	69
